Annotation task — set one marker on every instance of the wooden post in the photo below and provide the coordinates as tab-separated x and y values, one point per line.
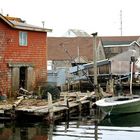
50	134
132	70
50	107
112	87
95	58
65	98
61	88
77	96
39	91
107	87
96	130
131	79
79	103
95	65
101	92
66	102
90	101
80	107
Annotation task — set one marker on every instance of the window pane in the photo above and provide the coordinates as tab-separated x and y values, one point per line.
23	38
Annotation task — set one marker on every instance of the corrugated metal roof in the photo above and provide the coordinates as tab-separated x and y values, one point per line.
76	68
25	26
116	43
99	63
89	65
122	45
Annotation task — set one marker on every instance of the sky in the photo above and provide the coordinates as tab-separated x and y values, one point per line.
102	16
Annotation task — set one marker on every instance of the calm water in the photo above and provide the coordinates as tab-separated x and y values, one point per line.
125	127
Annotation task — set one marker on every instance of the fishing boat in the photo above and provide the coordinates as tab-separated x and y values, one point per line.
121	104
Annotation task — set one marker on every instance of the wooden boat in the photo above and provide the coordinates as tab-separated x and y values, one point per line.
120	104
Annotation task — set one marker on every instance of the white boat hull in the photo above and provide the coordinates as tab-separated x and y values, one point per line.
119	105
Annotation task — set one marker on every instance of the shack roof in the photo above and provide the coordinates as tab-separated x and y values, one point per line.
17	23
84	45
75	46
118	40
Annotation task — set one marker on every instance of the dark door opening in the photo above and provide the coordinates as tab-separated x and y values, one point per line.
23	77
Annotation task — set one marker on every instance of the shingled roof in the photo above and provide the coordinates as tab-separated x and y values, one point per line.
17	23
118	40
71	44
85	44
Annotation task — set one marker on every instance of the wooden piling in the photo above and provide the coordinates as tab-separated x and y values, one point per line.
50	107
111	86
107	87
90	99
66	102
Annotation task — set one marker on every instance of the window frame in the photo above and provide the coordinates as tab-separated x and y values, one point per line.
23	38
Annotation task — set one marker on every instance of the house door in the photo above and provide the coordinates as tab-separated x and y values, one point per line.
23	77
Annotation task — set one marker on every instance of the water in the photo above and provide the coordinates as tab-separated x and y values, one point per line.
125	127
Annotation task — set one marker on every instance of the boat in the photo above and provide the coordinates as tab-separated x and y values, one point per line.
119	104
115	105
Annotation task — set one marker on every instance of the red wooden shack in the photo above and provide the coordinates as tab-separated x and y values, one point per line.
23	54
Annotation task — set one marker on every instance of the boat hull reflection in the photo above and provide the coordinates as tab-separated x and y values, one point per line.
126	120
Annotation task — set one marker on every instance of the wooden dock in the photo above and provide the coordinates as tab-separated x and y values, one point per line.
69	103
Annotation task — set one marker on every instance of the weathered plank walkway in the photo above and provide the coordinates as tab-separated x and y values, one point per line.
71	102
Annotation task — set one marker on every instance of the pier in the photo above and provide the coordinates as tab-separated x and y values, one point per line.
47	109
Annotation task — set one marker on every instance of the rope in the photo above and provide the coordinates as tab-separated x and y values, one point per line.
110	110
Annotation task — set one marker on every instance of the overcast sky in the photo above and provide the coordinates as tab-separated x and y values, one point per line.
102	16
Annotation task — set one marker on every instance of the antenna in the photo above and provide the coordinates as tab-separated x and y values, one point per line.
1	11
121	21
43	23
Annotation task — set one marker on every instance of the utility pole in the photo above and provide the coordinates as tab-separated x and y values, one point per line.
95	61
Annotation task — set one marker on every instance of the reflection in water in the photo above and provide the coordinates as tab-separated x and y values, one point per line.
77	128
23	131
83	131
127	120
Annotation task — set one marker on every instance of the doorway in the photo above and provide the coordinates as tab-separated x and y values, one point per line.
23	77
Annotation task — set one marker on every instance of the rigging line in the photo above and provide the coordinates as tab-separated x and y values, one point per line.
71	59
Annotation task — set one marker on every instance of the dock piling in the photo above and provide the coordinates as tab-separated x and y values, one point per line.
50	107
